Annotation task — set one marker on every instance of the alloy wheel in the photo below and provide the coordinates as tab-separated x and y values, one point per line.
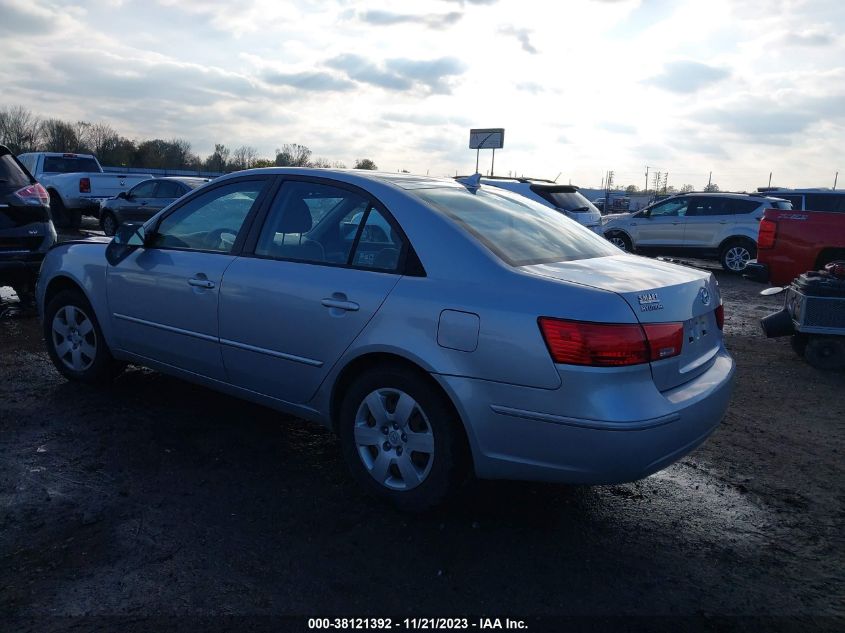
74	338
737	258
618	241
394	439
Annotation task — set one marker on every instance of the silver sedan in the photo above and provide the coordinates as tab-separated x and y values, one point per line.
440	329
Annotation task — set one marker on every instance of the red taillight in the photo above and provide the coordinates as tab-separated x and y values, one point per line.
84	185
720	316
610	344
664	339
768	233
34	194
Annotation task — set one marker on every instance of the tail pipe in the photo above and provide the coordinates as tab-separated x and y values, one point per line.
778	324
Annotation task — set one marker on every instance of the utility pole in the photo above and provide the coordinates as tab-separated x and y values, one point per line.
646	180
709	180
835	178
770	180
666	182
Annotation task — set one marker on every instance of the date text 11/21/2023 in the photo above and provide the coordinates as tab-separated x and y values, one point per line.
431	624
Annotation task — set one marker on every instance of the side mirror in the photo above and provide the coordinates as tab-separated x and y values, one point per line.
123	195
126	239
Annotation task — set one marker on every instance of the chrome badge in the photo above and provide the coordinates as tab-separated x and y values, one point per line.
704	295
649	302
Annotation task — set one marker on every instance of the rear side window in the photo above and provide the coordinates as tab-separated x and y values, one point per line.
702	206
168	189
517	230
783	205
830	202
69	165
737	206
796	201
12	177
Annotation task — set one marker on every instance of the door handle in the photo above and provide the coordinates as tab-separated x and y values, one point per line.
200	283
350	306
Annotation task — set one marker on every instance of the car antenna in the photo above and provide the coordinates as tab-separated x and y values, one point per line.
471	182
558	176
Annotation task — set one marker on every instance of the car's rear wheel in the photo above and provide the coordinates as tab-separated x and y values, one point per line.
75	341
108	223
64	218
401	438
736	254
619	239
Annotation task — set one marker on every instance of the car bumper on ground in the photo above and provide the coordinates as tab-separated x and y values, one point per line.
756	271
519	432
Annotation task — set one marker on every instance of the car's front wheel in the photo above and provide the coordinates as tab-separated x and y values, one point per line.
75	341
619	239
401	438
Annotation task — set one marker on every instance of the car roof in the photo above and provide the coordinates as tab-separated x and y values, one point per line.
766	191
355	176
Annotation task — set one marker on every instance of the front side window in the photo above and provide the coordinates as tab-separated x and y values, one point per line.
144	189
516	229
212	220
674	208
313	222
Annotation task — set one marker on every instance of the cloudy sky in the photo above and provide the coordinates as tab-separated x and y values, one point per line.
739	87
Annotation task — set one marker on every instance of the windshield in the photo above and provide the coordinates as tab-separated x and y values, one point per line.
571	201
517	230
69	165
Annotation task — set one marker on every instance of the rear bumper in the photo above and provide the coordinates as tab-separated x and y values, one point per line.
755	271
520	433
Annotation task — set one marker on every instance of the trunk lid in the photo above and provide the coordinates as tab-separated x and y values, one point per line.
657	292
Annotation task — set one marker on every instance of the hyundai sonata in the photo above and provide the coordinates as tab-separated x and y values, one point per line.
441	329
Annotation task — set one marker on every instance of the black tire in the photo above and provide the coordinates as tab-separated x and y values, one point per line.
728	256
450	456
825	352
108	223
799	343
619	239
58	212
99	366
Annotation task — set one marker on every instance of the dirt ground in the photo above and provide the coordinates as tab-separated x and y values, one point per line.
158	498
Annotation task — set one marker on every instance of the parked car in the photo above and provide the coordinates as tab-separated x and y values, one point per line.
792	242
563	198
26	232
829	200
144	200
719	226
481	332
76	184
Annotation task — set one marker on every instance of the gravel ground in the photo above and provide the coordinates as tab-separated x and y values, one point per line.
156	497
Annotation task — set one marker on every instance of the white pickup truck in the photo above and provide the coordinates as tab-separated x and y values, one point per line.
76	184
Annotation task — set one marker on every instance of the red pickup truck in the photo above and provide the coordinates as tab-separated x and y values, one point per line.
792	242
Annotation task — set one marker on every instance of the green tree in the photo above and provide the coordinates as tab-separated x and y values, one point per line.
365	163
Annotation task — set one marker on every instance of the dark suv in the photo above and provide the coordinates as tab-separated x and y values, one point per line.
26	230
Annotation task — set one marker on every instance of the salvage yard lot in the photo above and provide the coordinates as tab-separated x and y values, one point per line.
159	497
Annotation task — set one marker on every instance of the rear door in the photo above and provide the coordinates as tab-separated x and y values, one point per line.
166	192
707	219
662	224
140	198
324	261
163	297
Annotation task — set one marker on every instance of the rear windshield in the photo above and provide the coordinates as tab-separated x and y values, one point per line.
571	201
69	165
193	184
12	177
830	202
517	230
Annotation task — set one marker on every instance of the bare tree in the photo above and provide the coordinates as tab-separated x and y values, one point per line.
59	136
20	130
244	157
219	159
320	162
293	155
687	188
711	187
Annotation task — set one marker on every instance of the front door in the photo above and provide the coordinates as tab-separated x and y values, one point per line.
662	224
163	296
324	262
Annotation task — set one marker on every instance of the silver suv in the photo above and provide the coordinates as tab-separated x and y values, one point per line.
719	226
564	198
